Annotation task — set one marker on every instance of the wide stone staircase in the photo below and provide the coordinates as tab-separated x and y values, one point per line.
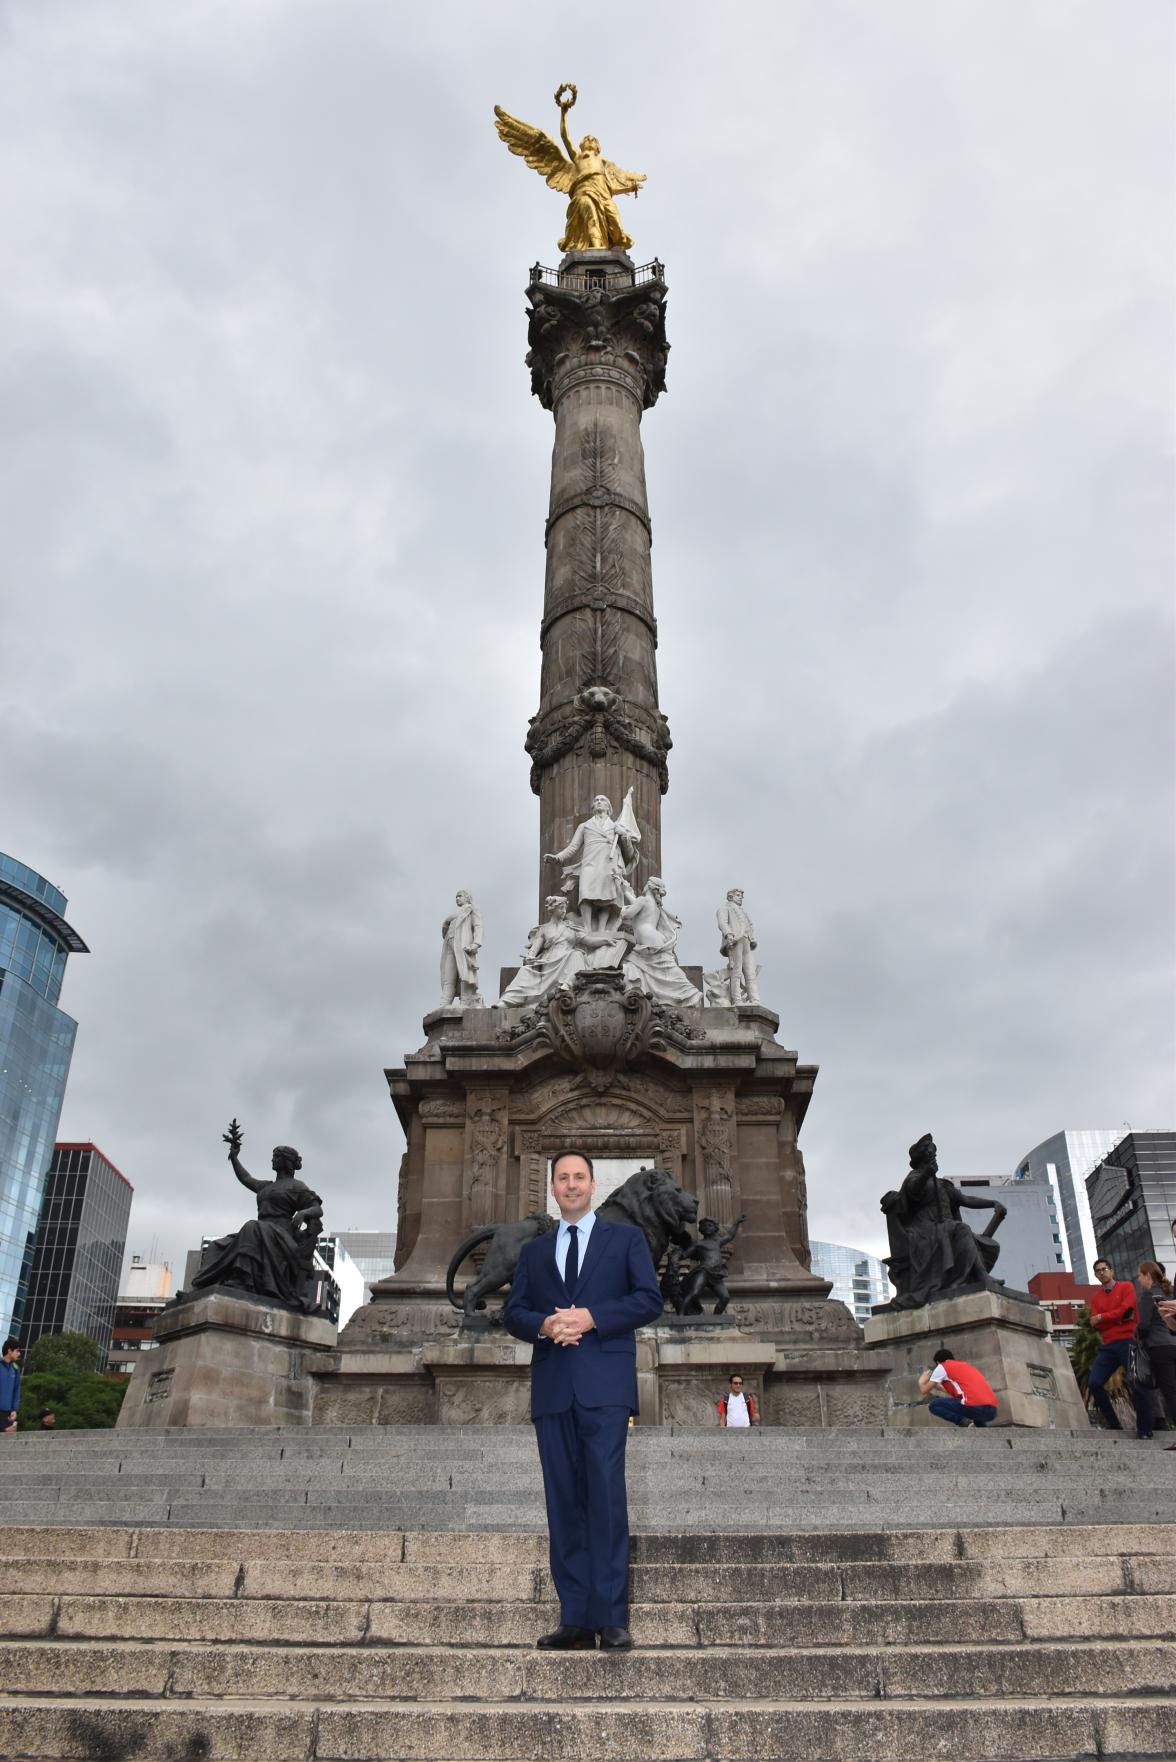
323	1594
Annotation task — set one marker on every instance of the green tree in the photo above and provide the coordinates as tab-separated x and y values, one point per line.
75	1353
81	1401
1083	1350
1084	1347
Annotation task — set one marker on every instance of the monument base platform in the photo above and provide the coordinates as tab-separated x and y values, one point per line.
1008	1341
227	1361
399	1363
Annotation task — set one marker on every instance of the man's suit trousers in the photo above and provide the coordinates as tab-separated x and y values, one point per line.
582	1454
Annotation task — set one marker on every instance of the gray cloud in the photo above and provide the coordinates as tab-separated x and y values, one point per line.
272	568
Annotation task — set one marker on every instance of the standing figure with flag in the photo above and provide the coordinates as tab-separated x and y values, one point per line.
578	1295
600	861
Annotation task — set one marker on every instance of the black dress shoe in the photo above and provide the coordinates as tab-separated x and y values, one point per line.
616	1639
570	1639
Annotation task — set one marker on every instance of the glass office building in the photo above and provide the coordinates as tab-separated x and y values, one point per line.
374	1253
78	1253
1064	1161
1133	1201
1030	1237
859	1279
36	1045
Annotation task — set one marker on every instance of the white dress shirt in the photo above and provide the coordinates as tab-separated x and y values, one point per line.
584	1229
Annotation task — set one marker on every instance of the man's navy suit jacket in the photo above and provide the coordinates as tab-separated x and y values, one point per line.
617	1283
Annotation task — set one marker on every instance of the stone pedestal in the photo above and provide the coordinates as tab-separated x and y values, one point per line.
803	1362
1009	1342
227	1361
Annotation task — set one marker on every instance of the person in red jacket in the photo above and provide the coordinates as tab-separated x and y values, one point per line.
1115	1311
965	1395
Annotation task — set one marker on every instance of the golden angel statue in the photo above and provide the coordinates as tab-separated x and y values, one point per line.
589	181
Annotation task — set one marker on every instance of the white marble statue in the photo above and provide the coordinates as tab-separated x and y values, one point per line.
601	857
736	941
553	956
650	960
461	938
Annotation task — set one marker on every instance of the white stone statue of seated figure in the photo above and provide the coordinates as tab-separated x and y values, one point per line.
650	960
552	958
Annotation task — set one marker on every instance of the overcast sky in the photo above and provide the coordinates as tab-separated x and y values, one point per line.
271	541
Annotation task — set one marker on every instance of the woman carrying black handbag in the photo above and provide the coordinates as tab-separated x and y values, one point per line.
1156	1337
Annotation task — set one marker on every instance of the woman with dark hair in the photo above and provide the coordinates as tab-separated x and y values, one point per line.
271	1255
1158	1333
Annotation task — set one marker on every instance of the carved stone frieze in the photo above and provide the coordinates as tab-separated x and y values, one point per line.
532	1171
403	1244
413	1404
859	1403
662	1100
669	1152
341	1406
687	1401
603	1115
484	1400
443	1110
391	1318
538	1102
758	1107
714	1137
815	1320
486	1121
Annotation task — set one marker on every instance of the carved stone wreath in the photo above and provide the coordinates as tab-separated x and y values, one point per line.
593	716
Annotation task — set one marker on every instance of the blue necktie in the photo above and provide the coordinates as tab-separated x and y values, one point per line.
572	1263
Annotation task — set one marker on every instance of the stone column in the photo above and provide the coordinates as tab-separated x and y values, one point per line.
597	359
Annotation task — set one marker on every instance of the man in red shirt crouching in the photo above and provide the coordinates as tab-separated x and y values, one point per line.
966	1398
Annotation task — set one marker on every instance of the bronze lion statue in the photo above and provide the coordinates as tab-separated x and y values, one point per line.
651	1199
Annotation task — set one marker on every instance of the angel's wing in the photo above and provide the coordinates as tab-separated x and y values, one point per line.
539	150
620	183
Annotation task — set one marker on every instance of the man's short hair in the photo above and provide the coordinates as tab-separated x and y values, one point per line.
735	1377
944	1353
47	1413
10	1345
1102	1261
572	1151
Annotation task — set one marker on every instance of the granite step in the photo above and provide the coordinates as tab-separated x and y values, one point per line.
992	1729
410	1673
1035	1643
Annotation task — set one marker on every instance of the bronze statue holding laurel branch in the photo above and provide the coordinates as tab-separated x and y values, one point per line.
272	1255
588	180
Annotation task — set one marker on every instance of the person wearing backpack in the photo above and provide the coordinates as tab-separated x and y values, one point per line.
735	1409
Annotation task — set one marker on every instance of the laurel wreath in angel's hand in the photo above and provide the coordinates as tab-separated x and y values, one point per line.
566	103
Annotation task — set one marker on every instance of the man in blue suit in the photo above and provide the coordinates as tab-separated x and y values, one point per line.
578	1294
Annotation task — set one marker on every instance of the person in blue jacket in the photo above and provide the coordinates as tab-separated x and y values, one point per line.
9	1384
578	1294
